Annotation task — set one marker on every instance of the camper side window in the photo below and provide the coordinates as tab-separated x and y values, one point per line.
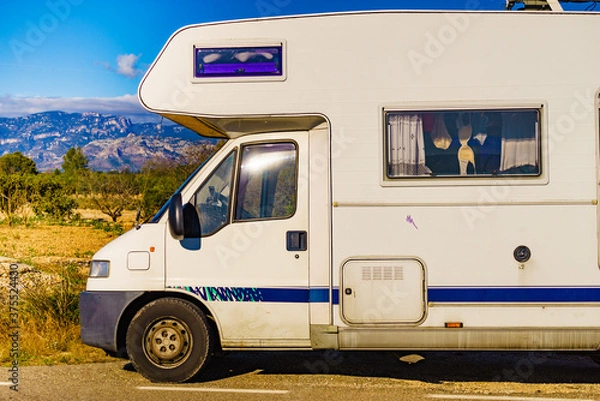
463	143
267	182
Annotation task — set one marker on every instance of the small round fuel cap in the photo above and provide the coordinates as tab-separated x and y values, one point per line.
522	254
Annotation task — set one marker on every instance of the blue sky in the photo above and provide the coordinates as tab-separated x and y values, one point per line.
89	55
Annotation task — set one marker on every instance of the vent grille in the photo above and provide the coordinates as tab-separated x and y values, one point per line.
382	273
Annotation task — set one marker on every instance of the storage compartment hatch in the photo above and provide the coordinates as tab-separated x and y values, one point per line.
386	291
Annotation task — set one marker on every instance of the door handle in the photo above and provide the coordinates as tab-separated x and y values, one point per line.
296	240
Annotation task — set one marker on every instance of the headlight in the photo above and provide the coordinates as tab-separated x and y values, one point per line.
99	268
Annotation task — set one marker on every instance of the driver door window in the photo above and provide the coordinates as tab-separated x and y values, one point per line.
267	183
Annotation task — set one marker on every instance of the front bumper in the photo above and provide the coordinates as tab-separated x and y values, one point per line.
100	313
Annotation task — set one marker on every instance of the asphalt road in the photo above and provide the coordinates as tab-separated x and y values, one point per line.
508	376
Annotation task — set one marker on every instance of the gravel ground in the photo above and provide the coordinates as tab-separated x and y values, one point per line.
332	376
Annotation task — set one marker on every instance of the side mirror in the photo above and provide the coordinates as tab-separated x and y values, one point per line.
191	227
176	220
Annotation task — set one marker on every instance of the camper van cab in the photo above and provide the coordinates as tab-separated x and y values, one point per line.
389	181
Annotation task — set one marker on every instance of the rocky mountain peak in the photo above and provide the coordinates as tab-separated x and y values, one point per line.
110	142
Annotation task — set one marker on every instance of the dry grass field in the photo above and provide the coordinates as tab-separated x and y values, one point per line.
53	264
41	244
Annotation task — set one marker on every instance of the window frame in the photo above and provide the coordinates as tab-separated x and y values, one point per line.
541	178
238	171
282	44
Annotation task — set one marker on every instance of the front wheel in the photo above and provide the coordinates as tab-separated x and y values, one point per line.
169	340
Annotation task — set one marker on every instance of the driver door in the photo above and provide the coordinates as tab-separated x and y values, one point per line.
251	269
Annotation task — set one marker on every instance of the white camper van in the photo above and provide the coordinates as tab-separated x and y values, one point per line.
390	181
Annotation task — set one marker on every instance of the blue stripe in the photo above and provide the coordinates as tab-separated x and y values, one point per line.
297	295
322	295
293	295
319	295
256	294
513	294
434	294
336	296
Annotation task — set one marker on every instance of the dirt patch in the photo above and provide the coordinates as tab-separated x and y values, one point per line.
127	219
48	244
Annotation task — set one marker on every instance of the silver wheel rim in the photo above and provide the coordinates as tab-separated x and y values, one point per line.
168	342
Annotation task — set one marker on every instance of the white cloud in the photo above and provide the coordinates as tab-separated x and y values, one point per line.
127	65
126	105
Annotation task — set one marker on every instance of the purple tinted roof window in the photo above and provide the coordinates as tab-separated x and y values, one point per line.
238	62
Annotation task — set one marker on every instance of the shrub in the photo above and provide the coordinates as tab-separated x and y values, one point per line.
49	198
58	301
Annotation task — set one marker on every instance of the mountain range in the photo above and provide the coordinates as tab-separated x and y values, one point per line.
110	142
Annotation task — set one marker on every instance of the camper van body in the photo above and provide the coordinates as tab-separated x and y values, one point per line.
354	205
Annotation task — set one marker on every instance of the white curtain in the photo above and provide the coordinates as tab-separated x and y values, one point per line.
518	153
406	145
519	144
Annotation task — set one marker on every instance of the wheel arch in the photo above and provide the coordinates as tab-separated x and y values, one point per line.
148	297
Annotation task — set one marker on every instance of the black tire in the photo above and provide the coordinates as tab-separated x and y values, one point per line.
595	356
169	340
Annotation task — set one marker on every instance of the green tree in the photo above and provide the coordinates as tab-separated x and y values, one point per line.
75	170
17	163
49	197
74	161
16	190
21	186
